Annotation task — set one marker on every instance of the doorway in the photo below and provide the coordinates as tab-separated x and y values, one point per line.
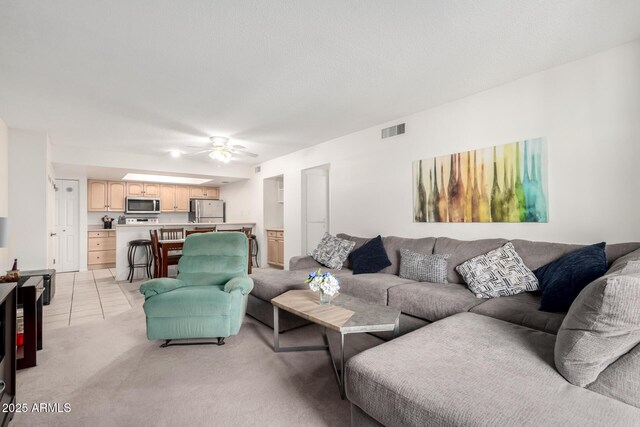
315	206
67	226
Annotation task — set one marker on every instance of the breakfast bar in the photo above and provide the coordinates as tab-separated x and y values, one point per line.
128	232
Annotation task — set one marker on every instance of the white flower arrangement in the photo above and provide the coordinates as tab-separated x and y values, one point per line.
323	282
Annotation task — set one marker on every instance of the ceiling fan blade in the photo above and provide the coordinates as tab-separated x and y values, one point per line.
246	153
199	146
198	152
238	147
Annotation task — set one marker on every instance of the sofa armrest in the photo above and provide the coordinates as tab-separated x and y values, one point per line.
242	283
304	263
160	286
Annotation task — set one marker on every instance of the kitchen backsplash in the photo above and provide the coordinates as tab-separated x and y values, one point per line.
95	218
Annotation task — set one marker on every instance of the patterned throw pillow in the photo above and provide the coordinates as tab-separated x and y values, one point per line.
498	273
423	268
332	251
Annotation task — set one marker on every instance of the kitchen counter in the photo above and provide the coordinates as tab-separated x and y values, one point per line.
128	232
189	224
274	229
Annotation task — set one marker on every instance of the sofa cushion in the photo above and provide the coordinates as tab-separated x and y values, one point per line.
461	251
269	283
393	244
498	273
469	370
621	379
371	287
602	325
521	309
619	264
332	251
370	257
536	254
423	267
432	301
617	250
562	280
359	241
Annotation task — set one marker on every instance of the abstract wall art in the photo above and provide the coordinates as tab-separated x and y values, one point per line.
504	183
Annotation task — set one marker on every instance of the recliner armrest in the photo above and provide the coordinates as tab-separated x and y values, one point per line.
243	283
160	286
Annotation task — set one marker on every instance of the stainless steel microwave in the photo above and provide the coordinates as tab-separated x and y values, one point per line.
142	205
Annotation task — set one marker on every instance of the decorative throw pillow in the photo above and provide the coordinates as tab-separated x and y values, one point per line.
370	257
562	280
498	273
423	267
601	327
332	251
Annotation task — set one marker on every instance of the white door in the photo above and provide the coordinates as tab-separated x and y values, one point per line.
67	225
315	206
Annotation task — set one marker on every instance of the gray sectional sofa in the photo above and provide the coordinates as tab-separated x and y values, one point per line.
477	361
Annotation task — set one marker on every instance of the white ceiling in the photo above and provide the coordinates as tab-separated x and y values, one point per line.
148	76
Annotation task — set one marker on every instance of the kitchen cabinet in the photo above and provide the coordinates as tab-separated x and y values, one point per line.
199	192
275	248
143	189
174	198
105	196
101	247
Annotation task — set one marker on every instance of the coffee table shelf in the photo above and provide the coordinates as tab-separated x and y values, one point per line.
345	315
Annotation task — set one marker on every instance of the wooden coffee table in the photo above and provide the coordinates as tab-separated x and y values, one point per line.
345	315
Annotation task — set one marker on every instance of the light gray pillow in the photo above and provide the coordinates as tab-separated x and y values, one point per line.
332	251
602	325
423	267
498	273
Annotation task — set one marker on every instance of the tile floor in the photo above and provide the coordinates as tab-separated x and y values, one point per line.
84	297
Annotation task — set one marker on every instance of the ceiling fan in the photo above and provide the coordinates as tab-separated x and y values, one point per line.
222	151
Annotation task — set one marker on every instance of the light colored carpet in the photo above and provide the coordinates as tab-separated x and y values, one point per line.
112	375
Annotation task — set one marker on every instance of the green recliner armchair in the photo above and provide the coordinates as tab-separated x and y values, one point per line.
209	297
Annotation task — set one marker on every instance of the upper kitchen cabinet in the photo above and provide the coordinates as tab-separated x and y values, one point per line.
143	189
105	196
204	192
174	198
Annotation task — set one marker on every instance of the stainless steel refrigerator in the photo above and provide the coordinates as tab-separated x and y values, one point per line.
206	211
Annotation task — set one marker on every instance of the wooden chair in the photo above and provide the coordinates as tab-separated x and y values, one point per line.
208	228
157	255
200	230
171	233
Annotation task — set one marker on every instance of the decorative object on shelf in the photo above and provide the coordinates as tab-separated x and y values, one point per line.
13	275
107	221
503	183
326	283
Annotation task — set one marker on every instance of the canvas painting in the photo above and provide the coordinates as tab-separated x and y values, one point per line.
504	183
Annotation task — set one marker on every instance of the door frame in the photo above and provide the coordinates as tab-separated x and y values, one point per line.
60	184
304	173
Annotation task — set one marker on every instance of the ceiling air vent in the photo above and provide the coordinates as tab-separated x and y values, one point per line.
258	169
393	131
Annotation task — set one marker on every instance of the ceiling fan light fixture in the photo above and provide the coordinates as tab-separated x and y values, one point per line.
221	156
219	139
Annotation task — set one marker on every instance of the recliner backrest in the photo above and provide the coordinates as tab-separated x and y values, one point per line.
213	258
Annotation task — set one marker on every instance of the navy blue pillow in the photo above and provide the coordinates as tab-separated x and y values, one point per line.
562	280
370	257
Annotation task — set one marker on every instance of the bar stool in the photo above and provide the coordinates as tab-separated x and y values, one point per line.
254	249
131	255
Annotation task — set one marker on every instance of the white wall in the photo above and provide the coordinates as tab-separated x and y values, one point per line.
588	110
4	189
28	214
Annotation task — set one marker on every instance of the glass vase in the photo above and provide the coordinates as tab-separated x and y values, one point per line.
325	299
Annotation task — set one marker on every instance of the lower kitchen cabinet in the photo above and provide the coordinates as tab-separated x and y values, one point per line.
275	248
101	249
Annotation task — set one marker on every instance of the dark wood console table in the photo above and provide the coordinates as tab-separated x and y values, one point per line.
7	350
30	299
